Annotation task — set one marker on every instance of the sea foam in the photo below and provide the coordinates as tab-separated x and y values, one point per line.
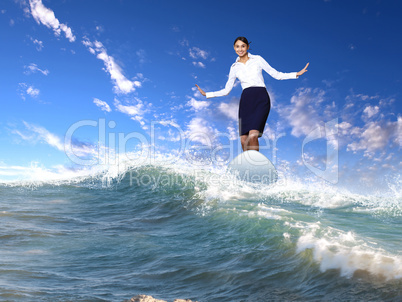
344	251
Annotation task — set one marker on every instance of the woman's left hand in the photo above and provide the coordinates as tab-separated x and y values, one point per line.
303	70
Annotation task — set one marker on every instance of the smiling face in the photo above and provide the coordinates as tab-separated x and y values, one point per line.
241	48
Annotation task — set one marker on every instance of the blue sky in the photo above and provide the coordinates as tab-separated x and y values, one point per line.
133	64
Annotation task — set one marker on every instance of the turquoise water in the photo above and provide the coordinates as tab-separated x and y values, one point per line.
171	232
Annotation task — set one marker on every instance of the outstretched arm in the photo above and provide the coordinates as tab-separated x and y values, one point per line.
303	70
200	90
224	91
280	75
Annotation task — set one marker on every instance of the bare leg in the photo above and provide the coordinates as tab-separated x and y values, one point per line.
253	140
243	140
250	141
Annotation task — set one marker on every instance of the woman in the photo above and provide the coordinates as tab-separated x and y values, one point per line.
254	102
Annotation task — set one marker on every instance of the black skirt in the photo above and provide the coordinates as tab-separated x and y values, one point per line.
253	110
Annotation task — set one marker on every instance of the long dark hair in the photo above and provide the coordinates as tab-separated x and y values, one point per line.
243	39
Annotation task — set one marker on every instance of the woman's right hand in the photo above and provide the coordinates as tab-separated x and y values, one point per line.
200	90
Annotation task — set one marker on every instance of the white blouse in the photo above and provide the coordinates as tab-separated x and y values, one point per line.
250	75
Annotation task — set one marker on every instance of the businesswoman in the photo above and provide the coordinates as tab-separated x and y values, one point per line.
254	102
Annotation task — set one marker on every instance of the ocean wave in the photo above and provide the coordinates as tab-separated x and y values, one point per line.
197	217
334	249
212	182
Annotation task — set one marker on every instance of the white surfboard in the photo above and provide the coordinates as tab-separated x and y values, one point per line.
255	167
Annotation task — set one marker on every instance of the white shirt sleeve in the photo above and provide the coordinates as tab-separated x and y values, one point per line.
228	86
274	73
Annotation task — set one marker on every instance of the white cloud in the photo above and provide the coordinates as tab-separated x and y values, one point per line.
132	110
40	134
360	96
33	68
197	105
370	111
136	111
39	44
302	115
36	171
231	110
197	53
99	28
199	130
375	136
233	135
33	92
46	136
184	42
11	170
199	64
102	105
169	123
398	138
174	133
122	85
365	107
25	89
344	128
173	136
89	45
140	120
37	133
46	16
